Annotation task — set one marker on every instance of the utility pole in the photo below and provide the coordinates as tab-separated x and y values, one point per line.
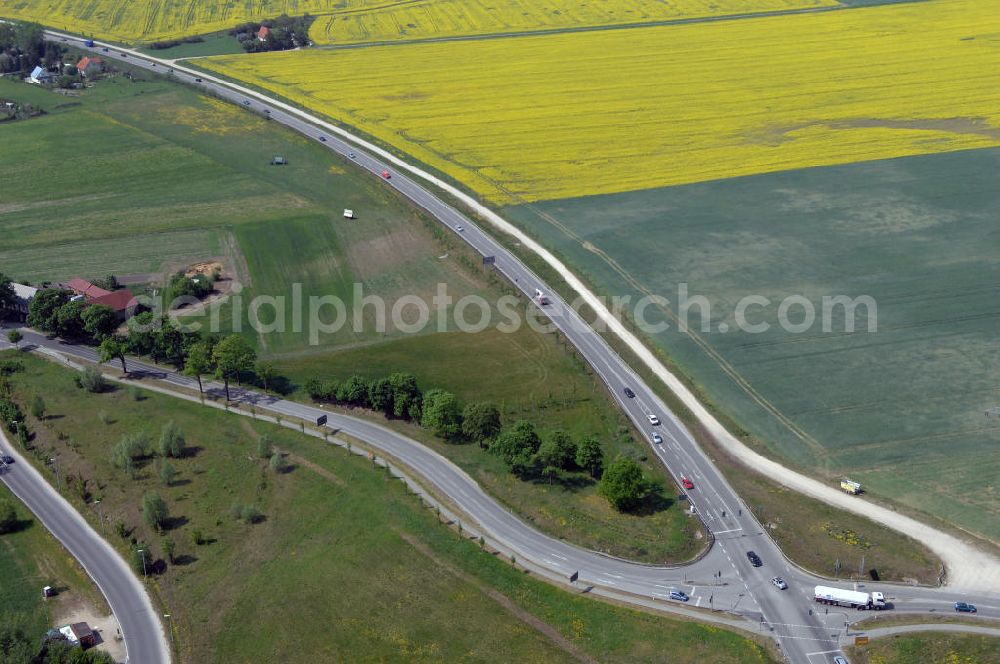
142	554
171	620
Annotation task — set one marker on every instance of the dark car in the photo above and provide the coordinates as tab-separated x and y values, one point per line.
322	138
754	559
6	458
197	80
629	393
963	607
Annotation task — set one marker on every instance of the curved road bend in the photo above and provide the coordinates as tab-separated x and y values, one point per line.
145	641
802	633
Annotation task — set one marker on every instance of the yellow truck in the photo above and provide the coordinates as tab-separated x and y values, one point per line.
851	487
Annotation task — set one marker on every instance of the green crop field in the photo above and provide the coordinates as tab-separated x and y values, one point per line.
929	647
428	595
902	409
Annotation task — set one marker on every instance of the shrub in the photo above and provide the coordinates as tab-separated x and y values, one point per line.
623	484
154	511
8	517
278	464
171	441
264	447
92	380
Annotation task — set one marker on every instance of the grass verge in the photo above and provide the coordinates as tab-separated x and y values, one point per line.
935	647
366	570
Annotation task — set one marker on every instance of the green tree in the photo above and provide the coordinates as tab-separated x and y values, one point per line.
265	448
198	362
380	395
405	393
353	391
442	414
623	484
266	372
8	516
169	549
481	422
8	299
168	343
142	330
99	321
43	312
167	473
557	450
171	441
590	456
113	348
516	446
69	320
233	356
15	337
38	407
154	511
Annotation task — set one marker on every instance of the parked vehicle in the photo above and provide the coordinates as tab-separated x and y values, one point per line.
963	607
850	598
754	559
850	486
779	583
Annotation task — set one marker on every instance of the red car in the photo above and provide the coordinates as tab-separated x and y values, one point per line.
386	175
688	484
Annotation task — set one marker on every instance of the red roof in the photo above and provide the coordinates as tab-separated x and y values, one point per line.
120	300
263	32
84	287
87	61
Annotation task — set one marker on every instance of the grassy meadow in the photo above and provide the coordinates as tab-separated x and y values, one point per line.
936	647
900	409
553	116
427	595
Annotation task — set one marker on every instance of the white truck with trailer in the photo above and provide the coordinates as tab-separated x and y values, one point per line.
852	598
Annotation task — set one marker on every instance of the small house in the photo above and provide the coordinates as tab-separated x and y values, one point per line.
89	67
79	634
40	76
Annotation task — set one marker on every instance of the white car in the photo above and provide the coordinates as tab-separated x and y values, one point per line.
657	438
460	228
653	419
779	583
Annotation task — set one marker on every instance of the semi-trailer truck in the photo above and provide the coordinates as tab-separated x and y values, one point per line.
852	598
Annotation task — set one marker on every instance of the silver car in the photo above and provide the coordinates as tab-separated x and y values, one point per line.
779	583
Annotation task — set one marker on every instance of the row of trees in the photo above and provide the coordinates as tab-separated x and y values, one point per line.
23	47
524	451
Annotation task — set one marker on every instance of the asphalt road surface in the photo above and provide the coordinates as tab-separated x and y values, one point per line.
723	579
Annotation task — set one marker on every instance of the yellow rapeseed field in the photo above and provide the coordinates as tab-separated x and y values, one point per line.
132	20
450	18
545	117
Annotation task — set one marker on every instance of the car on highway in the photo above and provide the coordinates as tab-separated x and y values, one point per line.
6	458
629	393
754	559
679	596
688	484
154	64
386	174
351	155
246	102
198	80
964	607
104	50
656	438
460	228
124	55
653	419
779	583
840	660
322	139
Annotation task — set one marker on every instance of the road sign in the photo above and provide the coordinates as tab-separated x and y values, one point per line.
860	640
321	420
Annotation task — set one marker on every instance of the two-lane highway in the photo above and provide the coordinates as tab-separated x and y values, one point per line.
803	633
